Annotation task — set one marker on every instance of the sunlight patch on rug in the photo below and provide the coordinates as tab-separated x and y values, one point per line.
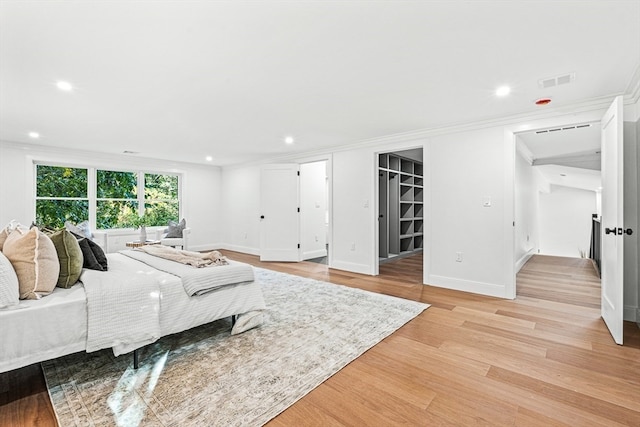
204	376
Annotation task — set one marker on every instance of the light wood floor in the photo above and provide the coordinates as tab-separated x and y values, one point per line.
543	359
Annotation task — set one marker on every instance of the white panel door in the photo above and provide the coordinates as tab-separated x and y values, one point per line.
612	220
279	216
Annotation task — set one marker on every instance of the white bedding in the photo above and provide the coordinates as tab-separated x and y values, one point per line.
197	281
56	325
42	329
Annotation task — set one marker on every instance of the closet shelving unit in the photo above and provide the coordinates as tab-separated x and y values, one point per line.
401	206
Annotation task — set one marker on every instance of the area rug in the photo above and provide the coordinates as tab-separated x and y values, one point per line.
204	376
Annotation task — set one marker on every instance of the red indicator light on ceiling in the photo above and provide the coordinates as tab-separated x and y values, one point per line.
543	101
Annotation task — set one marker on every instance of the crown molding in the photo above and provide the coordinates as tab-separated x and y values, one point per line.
383	142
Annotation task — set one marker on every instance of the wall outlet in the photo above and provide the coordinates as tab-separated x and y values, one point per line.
246	235
458	256
353	246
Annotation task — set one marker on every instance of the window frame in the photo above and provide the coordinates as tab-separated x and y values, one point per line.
92	190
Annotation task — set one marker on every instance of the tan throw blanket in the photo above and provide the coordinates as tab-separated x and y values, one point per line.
195	259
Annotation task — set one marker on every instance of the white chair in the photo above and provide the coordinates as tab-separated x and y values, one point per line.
183	242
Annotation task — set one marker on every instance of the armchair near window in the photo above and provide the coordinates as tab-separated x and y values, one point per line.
183	241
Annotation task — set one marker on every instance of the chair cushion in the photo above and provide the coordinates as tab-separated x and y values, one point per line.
174	230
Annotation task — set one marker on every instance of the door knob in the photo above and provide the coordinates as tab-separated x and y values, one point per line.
610	231
627	231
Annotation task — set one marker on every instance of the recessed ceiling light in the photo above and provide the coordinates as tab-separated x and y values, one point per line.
208	158
34	135
288	140
66	86
503	91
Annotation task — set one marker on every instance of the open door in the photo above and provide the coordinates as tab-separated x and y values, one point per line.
279	213
612	266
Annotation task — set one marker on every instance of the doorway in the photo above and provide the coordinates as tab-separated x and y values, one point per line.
401	198
314	212
557	197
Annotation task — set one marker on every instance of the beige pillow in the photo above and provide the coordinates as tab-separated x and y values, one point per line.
4	233
34	259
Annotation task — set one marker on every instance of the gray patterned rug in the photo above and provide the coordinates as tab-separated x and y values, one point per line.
207	377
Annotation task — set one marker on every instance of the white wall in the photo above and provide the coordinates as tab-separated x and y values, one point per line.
354	206
313	207
200	187
565	221
463	171
637	229
631	187
241	206
526	211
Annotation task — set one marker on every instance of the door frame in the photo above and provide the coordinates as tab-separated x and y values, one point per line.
376	195
328	158
593	115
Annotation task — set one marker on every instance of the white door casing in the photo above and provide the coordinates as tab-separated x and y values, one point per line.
279	216
612	234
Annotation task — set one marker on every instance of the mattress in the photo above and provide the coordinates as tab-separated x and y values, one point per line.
43	329
56	325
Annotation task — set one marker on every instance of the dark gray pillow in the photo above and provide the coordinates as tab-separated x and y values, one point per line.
94	257
175	229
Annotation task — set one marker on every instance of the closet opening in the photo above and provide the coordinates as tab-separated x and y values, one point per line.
400	205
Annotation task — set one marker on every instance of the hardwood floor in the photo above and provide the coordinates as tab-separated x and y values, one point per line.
543	359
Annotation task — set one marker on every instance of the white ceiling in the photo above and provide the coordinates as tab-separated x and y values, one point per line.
183	80
567	155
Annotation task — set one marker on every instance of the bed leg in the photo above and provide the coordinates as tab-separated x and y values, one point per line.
135	359
234	317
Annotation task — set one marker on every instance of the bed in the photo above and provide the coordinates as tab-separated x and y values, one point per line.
89	316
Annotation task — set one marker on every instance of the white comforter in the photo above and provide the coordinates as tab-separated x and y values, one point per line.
198	281
123	306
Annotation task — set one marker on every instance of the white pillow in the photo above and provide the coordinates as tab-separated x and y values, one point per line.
83	229
9	287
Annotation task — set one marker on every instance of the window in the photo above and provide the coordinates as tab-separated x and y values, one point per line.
61	195
161	198
117	198
65	193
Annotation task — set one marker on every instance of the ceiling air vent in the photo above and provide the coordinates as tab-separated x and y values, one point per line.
556	81
586	125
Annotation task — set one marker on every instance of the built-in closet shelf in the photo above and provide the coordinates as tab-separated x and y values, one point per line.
401	198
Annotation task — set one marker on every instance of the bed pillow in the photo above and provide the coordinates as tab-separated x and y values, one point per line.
4	233
9	288
35	261
93	255
174	230
70	257
83	229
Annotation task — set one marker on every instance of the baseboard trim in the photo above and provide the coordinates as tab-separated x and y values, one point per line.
241	249
352	267
314	254
489	289
631	314
523	260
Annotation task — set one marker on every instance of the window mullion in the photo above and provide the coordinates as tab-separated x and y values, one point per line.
141	191
92	192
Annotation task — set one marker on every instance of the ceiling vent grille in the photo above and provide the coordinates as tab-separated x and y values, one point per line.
556	81
551	130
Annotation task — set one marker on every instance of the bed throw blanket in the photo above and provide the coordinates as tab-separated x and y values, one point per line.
123	307
197	281
195	259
